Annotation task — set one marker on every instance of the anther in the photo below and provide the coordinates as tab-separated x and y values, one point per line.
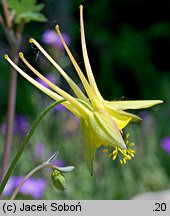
131	144
105	150
114	157
127	136
128	157
131	151
121	162
114	152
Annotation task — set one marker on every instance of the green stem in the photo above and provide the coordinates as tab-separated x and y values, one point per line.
25	142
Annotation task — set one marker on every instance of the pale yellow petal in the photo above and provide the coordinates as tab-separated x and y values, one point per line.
121	119
133	117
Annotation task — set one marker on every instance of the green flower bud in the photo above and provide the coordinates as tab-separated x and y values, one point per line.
58	180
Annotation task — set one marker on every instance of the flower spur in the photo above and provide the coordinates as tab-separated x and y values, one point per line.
101	121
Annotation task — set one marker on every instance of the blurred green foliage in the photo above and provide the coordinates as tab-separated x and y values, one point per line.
26	10
128	43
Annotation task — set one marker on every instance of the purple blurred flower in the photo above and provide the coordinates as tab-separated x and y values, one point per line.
22	124
165	143
50	37
34	187
9	188
58	163
72	125
59	108
3	129
39	150
50	77
144	115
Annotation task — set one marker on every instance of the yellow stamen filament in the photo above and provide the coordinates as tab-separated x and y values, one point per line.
86	85
72	100
85	57
72	84
123	152
132	154
109	155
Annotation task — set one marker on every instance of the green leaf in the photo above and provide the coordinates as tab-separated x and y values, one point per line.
12	3
30	16
38	7
21	6
28	10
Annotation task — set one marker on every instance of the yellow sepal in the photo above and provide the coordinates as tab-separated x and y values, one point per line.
104	127
124	105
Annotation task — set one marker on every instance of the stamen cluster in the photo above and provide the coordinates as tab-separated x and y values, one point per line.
123	154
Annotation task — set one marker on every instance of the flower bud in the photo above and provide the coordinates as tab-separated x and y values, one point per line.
58	180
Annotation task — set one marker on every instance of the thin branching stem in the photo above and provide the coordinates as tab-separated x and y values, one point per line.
6	13
32	172
14	41
10	113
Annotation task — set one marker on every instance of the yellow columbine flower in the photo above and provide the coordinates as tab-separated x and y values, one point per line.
101	121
